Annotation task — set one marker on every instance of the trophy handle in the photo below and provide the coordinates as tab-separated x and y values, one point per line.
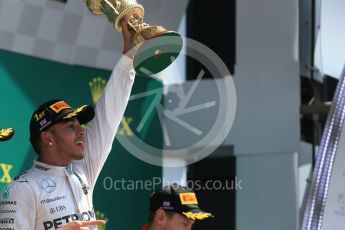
94	6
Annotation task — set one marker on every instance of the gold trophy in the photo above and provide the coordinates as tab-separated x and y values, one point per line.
154	48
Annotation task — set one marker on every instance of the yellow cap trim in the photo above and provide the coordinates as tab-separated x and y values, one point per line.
197	215
75	112
5	133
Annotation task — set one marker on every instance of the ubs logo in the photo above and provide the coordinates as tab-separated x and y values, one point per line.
48	185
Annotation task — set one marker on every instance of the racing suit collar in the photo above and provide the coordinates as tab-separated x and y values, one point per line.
51	169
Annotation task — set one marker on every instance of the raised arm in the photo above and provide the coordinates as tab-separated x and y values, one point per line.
109	112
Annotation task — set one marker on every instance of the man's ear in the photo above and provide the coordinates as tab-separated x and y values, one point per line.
46	138
160	216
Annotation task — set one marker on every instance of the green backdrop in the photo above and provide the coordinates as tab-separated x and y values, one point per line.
26	82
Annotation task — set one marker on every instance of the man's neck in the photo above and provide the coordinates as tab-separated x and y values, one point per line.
52	161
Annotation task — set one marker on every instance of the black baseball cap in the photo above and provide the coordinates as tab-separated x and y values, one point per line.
55	111
6	134
179	199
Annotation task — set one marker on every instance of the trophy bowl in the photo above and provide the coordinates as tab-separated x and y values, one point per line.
154	48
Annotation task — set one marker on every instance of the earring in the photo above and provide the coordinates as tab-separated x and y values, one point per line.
50	144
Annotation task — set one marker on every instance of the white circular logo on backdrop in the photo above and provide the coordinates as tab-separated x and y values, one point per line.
195	117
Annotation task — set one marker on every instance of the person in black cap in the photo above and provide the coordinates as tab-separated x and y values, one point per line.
174	207
6	134
58	189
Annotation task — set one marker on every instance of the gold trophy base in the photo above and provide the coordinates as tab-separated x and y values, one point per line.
154	49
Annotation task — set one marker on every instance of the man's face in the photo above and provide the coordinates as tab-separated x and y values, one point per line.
69	139
178	222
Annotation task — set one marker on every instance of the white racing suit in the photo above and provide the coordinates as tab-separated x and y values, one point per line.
48	197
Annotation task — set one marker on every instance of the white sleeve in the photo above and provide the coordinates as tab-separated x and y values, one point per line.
109	112
17	206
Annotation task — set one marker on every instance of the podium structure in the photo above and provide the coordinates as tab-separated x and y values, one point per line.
325	208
